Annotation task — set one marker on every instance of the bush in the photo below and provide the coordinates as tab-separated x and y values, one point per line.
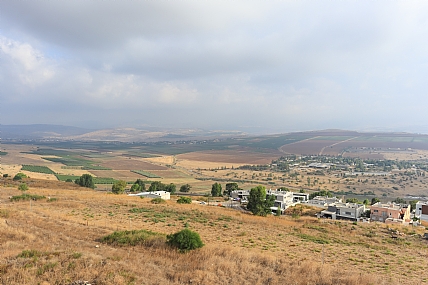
85	181
184	200
5	175
26	197
185	240
19	176
158	201
23	187
133	238
118	187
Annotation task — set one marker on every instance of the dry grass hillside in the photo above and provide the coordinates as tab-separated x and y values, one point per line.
56	241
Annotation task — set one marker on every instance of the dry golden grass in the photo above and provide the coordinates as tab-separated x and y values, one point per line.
167	159
240	248
194	164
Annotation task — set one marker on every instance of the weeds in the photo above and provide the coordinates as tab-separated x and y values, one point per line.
27	197
133	238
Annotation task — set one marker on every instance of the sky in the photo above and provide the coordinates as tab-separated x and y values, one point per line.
255	66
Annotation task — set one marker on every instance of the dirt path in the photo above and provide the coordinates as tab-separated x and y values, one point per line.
308	139
322	150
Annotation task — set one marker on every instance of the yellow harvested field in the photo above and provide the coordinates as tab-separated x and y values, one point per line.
167	159
196	164
406	155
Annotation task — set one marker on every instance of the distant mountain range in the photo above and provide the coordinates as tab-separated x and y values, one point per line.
146	134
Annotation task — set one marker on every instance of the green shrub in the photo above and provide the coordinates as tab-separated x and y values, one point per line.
19	176
158	201
5	175
185	240
133	238
23	187
30	253
184	200
26	197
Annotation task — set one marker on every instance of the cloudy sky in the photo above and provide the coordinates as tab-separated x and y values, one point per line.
265	66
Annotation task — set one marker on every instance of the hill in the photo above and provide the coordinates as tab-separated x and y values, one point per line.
57	241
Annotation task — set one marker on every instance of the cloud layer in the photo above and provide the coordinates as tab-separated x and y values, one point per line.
251	65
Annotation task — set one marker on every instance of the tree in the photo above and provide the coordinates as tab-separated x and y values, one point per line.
412	204
184	200
231	187
216	190
85	181
141	183
185	188
285	189
135	188
375	200
185	240
258	203
399	201
366	202
171	188
320	193
118	187
157	186
353	200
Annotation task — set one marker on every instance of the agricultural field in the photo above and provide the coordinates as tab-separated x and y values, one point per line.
37	168
119	163
201	163
146	173
62	236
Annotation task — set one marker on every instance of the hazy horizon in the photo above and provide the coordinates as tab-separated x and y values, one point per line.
257	67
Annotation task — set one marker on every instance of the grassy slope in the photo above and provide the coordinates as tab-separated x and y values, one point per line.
239	248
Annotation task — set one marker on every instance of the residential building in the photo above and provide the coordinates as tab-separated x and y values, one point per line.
154	194
344	211
421	211
283	199
390	213
323	201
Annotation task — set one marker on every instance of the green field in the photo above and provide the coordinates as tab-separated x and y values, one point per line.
146	174
37	168
70	161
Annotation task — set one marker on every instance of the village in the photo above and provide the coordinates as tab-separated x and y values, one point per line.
330	207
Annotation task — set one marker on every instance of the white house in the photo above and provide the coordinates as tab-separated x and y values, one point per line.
421	211
323	201
155	194
346	211
283	199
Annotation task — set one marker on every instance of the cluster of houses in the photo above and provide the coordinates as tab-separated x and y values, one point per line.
334	208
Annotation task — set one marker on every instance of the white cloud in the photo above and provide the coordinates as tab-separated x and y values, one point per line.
285	64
